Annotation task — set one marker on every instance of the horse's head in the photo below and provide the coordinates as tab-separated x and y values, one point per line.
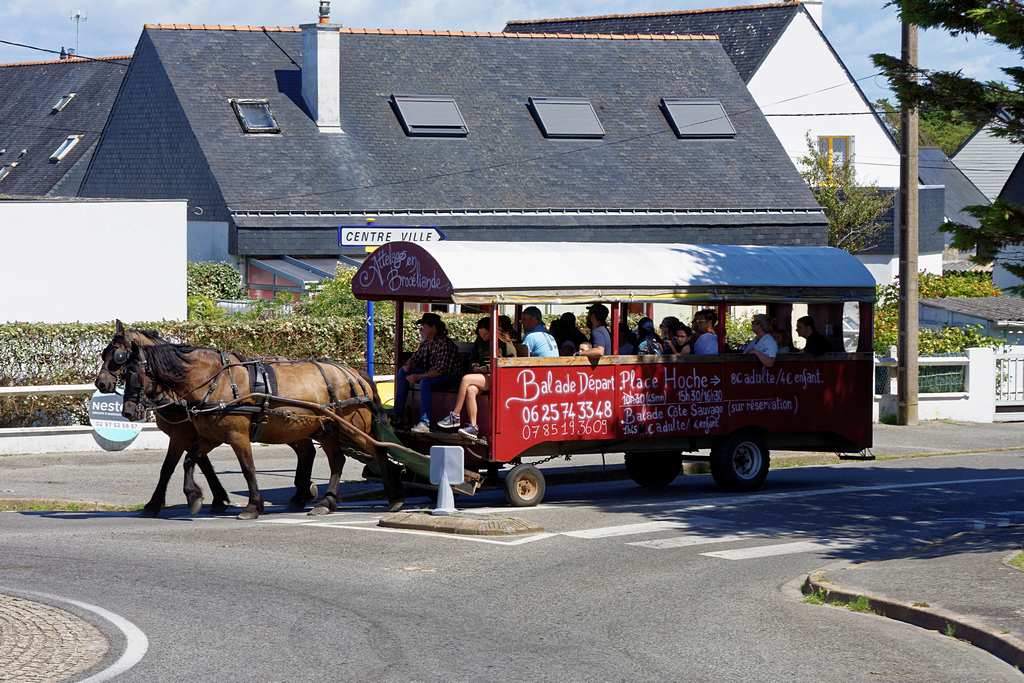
114	358
137	384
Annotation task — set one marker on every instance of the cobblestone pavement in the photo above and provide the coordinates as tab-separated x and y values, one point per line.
42	643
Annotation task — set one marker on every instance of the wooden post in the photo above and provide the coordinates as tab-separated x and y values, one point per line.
906	365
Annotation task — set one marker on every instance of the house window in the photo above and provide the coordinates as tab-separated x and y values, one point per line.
5	170
62	102
255	116
839	148
566	117
65	147
429	115
697	117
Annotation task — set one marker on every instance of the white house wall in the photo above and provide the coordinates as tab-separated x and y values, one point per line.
92	261
802	76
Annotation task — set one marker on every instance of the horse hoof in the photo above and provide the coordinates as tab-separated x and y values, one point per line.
248	514
396	505
149	511
219	507
194	506
296	506
319	510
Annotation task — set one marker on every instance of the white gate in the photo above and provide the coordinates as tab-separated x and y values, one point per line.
1010	384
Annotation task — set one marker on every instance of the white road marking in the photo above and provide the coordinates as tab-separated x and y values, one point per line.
519	540
136	642
728	501
643	528
703	539
779	549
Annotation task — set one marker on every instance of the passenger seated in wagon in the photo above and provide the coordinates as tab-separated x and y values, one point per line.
435	365
479	378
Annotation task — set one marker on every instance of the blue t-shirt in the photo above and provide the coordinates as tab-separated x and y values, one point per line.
540	343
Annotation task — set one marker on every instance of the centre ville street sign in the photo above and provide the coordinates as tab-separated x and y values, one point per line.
377	235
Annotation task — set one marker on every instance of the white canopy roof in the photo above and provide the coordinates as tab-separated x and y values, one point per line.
563	272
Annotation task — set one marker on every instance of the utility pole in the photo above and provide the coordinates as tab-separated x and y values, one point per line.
906	372
78	16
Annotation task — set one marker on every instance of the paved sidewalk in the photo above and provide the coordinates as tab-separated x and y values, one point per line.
962	586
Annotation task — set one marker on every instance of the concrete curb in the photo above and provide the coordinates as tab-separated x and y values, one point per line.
1002	645
466	526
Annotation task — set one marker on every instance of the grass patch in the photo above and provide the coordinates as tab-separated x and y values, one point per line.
861	604
950	630
63	506
1018	561
818	598
921	604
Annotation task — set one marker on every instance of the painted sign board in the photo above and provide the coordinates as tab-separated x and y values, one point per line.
683	399
108	423
408	269
377	235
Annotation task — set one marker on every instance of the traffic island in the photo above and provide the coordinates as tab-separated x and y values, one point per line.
465	526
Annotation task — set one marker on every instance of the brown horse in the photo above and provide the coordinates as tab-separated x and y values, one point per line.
173	421
315	399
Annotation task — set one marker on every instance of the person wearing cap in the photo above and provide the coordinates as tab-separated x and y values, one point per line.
600	338
435	365
537	339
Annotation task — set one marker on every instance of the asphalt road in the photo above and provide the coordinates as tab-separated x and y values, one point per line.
683	584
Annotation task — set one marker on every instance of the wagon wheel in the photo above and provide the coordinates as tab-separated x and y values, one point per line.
739	462
524	486
654	470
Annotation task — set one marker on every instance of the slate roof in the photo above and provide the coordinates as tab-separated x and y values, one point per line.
993	308
28	92
1013	190
747	33
934	168
987	160
173	134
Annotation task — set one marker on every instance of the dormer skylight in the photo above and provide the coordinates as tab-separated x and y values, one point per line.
4	170
566	117
429	115
255	116
62	102
65	147
697	117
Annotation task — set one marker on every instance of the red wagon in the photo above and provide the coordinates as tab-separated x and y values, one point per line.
658	410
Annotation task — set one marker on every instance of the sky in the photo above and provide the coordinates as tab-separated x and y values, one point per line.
855	28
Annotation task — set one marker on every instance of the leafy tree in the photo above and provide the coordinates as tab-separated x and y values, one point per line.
853	208
931	286
956	97
933	128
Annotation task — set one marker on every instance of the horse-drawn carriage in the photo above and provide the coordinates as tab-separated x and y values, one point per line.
658	410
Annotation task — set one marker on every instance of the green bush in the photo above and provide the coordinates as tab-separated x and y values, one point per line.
215	280
41	354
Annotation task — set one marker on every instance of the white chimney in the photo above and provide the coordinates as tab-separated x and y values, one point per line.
321	67
813	8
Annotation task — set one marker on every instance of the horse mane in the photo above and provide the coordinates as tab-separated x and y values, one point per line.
169	365
152	335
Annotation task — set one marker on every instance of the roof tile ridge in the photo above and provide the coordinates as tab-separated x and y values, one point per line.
522	22
564	36
221	27
72	60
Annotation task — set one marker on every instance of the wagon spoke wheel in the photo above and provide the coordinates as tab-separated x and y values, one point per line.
524	486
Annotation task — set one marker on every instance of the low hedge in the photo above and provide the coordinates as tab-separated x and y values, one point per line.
43	354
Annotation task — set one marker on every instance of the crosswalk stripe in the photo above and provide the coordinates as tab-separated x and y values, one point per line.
779	549
703	539
643	528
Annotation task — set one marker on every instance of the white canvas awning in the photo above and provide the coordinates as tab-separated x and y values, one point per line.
559	272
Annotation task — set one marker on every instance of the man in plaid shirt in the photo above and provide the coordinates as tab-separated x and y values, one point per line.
435	365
